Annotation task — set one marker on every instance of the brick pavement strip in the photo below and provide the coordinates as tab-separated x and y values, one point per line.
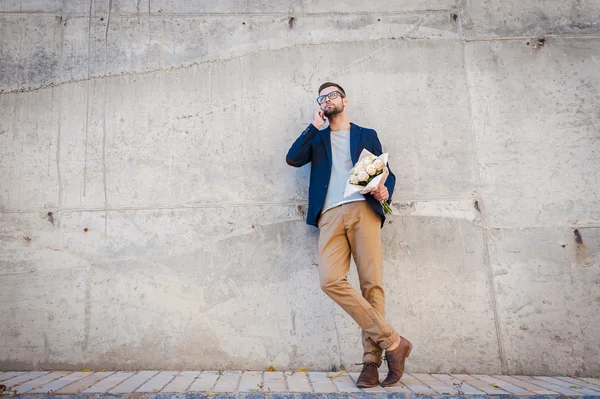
578	387
459	385
548	385
507	386
134	382
436	384
109	382
320	382
416	385
20	378
581	383
181	382
228	381
480	384
41	381
205	382
287	385
298	382
9	375
524	384
61	382
158	382
274	381
251	381
84	383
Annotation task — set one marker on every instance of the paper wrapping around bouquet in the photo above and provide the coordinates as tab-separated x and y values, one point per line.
377	181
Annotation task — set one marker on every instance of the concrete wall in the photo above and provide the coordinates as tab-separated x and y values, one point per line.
148	219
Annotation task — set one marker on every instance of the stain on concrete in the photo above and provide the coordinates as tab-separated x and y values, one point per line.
581	251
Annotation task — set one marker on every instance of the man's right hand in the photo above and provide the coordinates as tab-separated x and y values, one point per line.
318	120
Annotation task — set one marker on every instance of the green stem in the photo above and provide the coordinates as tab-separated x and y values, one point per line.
386	208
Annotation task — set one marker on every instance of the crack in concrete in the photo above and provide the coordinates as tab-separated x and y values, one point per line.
197	63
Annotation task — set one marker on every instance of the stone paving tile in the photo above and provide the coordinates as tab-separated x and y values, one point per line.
581	383
416	385
298	382
480	384
577	387
274	381
435	384
376	389
158	382
345	383
507	386
20	378
205	382
134	382
61	382
398	387
84	383
592	381
181	382
461	386
7	375
548	385
41	381
228	382
525	385
251	381
320	382
109	382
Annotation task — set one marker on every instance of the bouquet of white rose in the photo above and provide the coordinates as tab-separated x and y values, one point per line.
369	173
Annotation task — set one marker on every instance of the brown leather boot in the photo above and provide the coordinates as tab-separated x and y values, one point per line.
395	361
369	376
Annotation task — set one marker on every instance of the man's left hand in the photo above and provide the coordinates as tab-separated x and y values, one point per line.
381	194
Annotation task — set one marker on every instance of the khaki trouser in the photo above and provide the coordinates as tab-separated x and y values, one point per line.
354	228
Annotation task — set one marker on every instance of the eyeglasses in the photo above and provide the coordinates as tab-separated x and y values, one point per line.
332	96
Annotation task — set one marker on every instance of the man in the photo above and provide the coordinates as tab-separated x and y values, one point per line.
349	225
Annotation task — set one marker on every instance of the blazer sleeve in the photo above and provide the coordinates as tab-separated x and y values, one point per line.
390	182
300	153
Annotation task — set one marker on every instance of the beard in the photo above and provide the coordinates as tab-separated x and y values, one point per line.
333	110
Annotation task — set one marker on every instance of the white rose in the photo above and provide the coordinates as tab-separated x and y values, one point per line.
354	179
363	176
378	163
371	170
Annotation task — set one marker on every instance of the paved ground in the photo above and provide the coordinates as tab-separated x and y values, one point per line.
300	384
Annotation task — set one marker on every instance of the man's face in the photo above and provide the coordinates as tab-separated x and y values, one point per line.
332	107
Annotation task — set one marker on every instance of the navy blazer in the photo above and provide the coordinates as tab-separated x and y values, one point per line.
314	146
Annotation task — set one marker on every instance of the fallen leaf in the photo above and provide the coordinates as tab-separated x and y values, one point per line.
36	387
102	370
270	368
260	385
302	371
591	383
210	393
495	386
336	375
156	390
253	390
86	371
575	387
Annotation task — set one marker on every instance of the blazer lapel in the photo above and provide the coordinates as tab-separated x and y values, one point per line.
326	139
354	139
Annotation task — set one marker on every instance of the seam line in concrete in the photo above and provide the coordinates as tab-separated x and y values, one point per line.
484	231
238	15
